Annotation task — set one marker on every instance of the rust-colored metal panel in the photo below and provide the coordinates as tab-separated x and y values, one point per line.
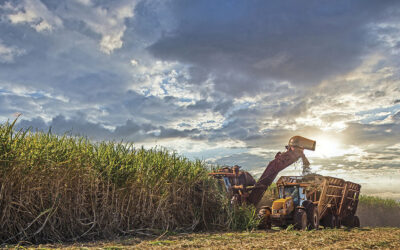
302	142
281	161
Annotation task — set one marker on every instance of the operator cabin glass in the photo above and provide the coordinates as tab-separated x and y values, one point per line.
281	192
302	193
291	191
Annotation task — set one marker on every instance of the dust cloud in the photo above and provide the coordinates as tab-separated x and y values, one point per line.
378	215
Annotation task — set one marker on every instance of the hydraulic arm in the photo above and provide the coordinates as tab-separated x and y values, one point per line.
282	160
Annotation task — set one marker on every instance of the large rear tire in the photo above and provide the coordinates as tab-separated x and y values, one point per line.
351	221
306	203
312	216
338	222
356	221
330	221
300	219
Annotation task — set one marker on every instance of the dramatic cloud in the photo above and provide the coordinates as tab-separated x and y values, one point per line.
107	20
7	54
34	13
259	42
228	82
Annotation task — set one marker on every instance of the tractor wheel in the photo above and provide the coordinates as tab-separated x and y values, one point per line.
352	221
348	221
306	203
312	216
300	219
322	223
330	221
356	221
338	222
265	219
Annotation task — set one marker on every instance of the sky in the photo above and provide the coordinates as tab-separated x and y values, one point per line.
224	81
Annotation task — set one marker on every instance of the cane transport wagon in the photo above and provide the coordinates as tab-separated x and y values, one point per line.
313	200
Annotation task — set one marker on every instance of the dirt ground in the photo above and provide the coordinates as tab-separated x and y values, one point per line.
363	238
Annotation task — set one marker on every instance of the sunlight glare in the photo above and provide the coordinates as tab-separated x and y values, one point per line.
326	147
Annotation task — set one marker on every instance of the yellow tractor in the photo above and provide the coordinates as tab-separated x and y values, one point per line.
287	209
311	200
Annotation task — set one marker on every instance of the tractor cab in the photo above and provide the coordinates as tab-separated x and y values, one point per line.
296	192
291	196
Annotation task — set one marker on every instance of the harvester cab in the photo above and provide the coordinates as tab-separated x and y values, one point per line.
236	182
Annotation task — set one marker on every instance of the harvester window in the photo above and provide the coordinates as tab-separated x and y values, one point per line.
227	183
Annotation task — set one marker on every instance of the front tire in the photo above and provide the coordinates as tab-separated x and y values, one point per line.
300	219
265	218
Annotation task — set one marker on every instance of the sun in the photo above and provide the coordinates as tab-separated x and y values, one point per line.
327	147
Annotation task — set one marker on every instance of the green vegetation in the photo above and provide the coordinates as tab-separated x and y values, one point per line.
60	188
376	201
378	212
243	218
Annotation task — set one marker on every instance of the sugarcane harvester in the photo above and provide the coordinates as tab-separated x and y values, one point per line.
306	201
243	187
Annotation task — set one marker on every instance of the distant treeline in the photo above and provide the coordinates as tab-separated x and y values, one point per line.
367	200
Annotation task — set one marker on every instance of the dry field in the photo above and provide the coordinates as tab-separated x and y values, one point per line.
363	238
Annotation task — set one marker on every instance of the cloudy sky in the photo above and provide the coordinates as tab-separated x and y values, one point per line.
228	82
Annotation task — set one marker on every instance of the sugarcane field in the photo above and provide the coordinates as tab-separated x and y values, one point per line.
183	124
